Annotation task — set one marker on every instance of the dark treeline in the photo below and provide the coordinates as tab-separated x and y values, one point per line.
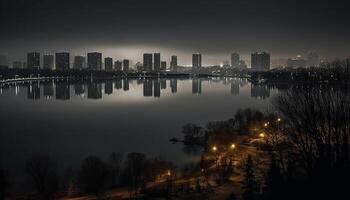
94	176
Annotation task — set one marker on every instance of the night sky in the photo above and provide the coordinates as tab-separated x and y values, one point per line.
127	28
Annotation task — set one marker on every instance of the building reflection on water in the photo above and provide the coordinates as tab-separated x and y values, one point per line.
150	87
260	91
125	84
94	90
62	91
196	86
147	87
34	90
109	87
48	89
79	89
235	87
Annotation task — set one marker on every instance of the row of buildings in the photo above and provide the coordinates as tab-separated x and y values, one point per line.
260	61
61	61
312	60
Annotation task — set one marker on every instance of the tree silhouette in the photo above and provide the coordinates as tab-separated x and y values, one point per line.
93	175
250	185
135	172
42	171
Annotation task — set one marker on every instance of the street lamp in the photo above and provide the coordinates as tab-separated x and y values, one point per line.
214	148
262	135
279	119
233	146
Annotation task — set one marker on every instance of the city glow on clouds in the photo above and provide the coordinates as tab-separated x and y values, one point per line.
135	53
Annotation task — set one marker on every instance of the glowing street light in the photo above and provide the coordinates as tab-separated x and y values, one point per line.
233	146
262	135
266	124
279	119
214	148
169	173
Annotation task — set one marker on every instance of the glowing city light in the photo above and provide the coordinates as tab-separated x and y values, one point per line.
214	148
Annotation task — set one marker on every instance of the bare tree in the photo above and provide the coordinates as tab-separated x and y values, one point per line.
93	175
116	161
42	171
135	172
318	123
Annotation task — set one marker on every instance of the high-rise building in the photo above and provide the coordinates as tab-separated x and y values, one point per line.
48	62
118	66
235	58
260	61
126	64
108	64
156	64
163	65
79	62
196	61
147	61
173	64
62	61
33	60
313	60
296	62
94	61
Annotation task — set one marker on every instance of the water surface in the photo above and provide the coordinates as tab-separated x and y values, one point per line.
70	120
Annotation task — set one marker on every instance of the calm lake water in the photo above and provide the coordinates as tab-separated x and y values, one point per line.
75	119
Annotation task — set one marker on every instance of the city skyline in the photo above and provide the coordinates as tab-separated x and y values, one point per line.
235	60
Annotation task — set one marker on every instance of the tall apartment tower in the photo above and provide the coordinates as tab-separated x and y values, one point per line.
108	64
33	60
235	60
260	61
196	61
126	65
94	61
62	61
147	61
173	64
156	64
